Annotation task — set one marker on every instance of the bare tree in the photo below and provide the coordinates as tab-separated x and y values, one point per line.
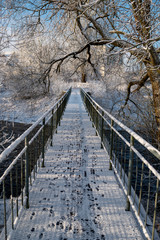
124	26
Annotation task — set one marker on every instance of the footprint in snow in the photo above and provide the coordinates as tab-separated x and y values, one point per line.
40	236
29	236
33	213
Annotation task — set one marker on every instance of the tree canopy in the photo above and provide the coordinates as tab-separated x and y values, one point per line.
126	26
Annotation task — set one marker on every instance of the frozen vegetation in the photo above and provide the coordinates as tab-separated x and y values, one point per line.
111	96
29	110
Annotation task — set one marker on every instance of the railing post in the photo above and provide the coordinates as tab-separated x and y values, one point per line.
121	160
11	186
155	208
17	190
22	181
56	117
59	114
88	107
90	110
62	102
130	169
5	216
30	166
102	128
84	97
61	110
92	115
111	145
96	120
43	142
52	128
34	160
26	174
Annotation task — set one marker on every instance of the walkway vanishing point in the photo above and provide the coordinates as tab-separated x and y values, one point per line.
76	197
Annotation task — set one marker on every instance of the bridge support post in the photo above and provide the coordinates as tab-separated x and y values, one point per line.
59	113
26	174
84	98
88	107
96	120
155	208
130	169
11	186
90	110
92	116
102	128
43	142
56	118
5	210
52	128
111	146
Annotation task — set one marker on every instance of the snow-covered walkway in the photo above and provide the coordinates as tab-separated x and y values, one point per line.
76	197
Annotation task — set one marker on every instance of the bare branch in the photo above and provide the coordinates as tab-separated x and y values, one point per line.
140	85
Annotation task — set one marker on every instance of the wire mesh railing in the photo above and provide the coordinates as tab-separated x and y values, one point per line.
27	154
136	164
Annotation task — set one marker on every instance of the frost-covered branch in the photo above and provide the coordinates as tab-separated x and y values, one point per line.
140	84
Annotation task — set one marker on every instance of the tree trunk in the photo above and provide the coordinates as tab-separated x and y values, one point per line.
155	81
83	78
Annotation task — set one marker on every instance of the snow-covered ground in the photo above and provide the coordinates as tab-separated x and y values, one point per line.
24	111
28	111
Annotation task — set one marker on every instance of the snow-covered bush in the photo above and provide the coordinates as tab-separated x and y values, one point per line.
24	78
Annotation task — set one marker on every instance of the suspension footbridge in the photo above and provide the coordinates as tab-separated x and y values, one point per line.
72	180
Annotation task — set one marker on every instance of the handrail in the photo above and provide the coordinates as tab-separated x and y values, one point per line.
21	138
147	145
152	149
138	177
22	171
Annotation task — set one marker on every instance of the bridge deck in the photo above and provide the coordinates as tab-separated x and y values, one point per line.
76	197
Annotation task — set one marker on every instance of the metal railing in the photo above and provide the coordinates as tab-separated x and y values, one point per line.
136	164
26	154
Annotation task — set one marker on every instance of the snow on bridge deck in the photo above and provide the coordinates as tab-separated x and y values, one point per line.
76	197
